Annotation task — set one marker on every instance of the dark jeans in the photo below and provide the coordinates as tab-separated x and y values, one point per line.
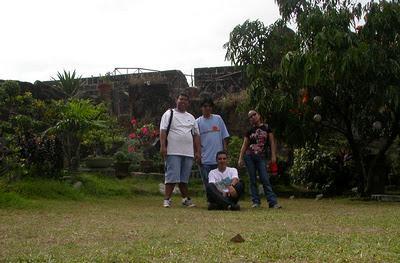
254	164
205	170
216	197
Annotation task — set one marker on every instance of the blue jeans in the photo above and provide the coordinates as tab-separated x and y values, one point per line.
205	170
255	163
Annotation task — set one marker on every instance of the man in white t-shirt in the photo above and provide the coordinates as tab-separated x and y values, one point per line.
178	148
224	187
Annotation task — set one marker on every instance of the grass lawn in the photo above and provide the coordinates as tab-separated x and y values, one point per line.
138	229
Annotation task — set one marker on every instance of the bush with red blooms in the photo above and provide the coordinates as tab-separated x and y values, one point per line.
141	136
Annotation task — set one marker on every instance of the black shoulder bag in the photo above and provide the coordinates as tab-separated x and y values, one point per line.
157	143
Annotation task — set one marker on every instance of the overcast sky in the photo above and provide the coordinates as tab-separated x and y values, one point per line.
42	37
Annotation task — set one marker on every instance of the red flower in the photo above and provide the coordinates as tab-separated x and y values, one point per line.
144	130
132	136
305	98
133	121
131	149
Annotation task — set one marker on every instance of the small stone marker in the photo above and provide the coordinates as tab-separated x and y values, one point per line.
291	197
77	185
318	197
237	239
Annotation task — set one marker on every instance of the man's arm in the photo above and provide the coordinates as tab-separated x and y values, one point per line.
163	143
235	181
232	191
224	133
225	142
197	148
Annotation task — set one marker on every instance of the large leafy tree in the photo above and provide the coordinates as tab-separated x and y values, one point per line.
259	49
21	116
347	59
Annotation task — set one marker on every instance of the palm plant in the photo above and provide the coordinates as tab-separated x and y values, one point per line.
77	118
68	82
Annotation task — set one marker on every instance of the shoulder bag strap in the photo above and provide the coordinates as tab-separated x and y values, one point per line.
170	121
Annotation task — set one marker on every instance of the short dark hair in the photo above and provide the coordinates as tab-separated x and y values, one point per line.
208	101
183	95
219	153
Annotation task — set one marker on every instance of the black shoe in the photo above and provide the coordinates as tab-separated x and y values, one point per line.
212	206
276	206
234	207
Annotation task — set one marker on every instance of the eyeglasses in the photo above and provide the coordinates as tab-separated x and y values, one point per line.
252	115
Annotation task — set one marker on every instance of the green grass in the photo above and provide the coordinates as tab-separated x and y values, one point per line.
13	200
110	220
41	188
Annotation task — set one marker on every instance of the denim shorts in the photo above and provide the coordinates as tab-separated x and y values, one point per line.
178	169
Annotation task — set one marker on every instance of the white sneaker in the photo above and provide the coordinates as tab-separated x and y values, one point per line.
167	203
187	202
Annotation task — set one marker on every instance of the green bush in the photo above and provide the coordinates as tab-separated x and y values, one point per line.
234	146
313	168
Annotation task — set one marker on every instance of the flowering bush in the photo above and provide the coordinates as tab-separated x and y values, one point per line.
141	136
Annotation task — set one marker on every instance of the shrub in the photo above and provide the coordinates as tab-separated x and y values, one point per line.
313	168
234	146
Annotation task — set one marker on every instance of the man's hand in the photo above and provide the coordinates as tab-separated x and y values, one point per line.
232	192
163	152
197	157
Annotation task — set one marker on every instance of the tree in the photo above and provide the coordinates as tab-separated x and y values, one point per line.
77	118
22	117
350	70
259	49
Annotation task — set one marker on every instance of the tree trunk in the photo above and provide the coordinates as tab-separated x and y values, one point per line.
360	167
377	173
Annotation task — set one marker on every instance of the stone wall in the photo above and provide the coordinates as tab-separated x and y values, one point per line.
142	95
219	81
147	95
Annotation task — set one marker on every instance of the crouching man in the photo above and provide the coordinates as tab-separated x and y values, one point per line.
224	187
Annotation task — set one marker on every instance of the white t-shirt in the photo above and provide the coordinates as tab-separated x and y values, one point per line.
180	137
223	179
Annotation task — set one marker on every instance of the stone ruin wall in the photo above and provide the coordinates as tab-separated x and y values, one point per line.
147	95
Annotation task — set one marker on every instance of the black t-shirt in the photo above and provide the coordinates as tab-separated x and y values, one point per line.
258	139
